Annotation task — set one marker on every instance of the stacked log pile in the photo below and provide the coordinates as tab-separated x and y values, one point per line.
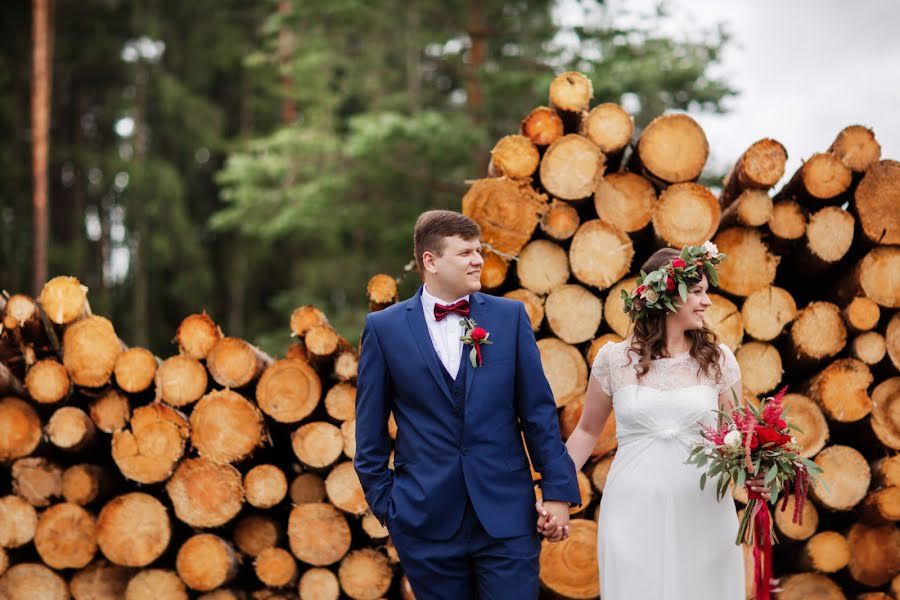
224	472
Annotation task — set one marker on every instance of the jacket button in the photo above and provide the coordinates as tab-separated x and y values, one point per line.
456	412
465	450
457	393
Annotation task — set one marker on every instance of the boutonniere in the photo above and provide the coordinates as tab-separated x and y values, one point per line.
474	336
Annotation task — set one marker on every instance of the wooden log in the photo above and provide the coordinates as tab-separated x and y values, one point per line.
571	91
796	531
767	311
568	419
234	363
133	529
346	364
687	214
752	208
542	266
196	335
600	472
275	567
614	307
64	300
82	484
317	444
857	148
304	318
205	562
365	574
66	536
761	368
750	265
345	491
885	419
869	347
882	505
841	390
493	271
572	167
307	487
135	370
807	415
609	126
515	156
111	411
759	168
22	315
788	221
18	522
861	314
37	480
569	568
655	155
874	553
825	552
877	202
873	277
4	561
265	486
846	478
829	236
149	451
803	586
599	342
724	319
600	254
340	402
892	340
30	581
318	534
256	532
319	584
817	334
48	382
21	426
90	350
223	594
373	528
226	427
573	313
205	493
100	581
181	381
543	126
156	584
10	384
885	471
822	178
625	201
534	305
382	292
71	429
507	212
348	434
289	390
565	369
560	222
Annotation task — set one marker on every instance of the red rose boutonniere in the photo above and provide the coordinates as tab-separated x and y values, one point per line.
474	336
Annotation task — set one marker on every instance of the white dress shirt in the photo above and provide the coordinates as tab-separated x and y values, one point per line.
444	334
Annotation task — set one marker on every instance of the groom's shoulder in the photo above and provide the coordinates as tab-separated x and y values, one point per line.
391	313
505	305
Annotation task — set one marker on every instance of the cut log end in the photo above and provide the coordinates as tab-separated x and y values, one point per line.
204	493
63	299
156	584
265	486
318	534
856	147
382	290
625	201
534	306
818	332
788	220
569	568
877	202
181	380
542	266
28	581
135	370
673	131
826	552
571	91
565	369
750	265
572	167
196	335
761	367
846	477
829	234
560	223
155	443
319	584
724	319
600	254
205	561
47	381
543	126
289	390
609	126
573	313
21	426
305	318
90	350
133	530
275	567
515	156
766	312
506	210
365	574
226	427
807	415
841	390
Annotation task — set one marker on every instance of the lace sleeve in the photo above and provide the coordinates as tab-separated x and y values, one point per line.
600	369
731	371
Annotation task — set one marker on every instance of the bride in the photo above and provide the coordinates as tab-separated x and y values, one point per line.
660	536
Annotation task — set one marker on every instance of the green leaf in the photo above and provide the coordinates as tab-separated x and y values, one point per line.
703	481
770	474
682	291
473	358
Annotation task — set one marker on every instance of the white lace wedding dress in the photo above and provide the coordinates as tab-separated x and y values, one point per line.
659	536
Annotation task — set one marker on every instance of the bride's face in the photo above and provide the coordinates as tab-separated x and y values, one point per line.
689	314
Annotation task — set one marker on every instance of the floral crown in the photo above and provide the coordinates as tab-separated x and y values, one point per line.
656	290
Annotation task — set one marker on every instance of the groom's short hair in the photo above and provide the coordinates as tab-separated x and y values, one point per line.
435	225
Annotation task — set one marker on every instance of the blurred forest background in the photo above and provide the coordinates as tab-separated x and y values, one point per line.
250	157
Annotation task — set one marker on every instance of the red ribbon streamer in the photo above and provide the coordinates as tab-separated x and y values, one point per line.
762	546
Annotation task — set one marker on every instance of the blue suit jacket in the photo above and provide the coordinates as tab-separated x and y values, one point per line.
443	454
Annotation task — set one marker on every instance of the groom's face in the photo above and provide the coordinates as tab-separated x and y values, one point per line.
456	271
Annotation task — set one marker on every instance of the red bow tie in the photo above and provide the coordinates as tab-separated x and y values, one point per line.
460	307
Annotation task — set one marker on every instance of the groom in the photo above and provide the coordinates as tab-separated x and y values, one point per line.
459	502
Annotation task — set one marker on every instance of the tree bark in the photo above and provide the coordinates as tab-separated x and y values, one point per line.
41	85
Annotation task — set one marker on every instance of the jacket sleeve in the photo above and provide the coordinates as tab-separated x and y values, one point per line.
539	420
373	446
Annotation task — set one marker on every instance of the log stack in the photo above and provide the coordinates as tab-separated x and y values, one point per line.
236	466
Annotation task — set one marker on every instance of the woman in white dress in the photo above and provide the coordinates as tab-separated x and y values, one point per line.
660	536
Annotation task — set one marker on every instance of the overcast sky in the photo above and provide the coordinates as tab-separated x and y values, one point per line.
805	69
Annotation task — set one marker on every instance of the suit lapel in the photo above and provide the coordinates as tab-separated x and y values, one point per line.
418	327
477	313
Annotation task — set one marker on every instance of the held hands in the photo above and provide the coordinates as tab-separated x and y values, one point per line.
758	485
553	519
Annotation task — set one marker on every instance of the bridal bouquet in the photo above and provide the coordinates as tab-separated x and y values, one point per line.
749	443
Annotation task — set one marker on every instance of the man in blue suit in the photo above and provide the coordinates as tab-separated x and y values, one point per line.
459	502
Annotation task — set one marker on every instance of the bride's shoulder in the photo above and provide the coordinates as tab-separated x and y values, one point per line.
612	350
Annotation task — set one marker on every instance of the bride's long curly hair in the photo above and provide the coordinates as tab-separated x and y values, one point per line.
649	338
